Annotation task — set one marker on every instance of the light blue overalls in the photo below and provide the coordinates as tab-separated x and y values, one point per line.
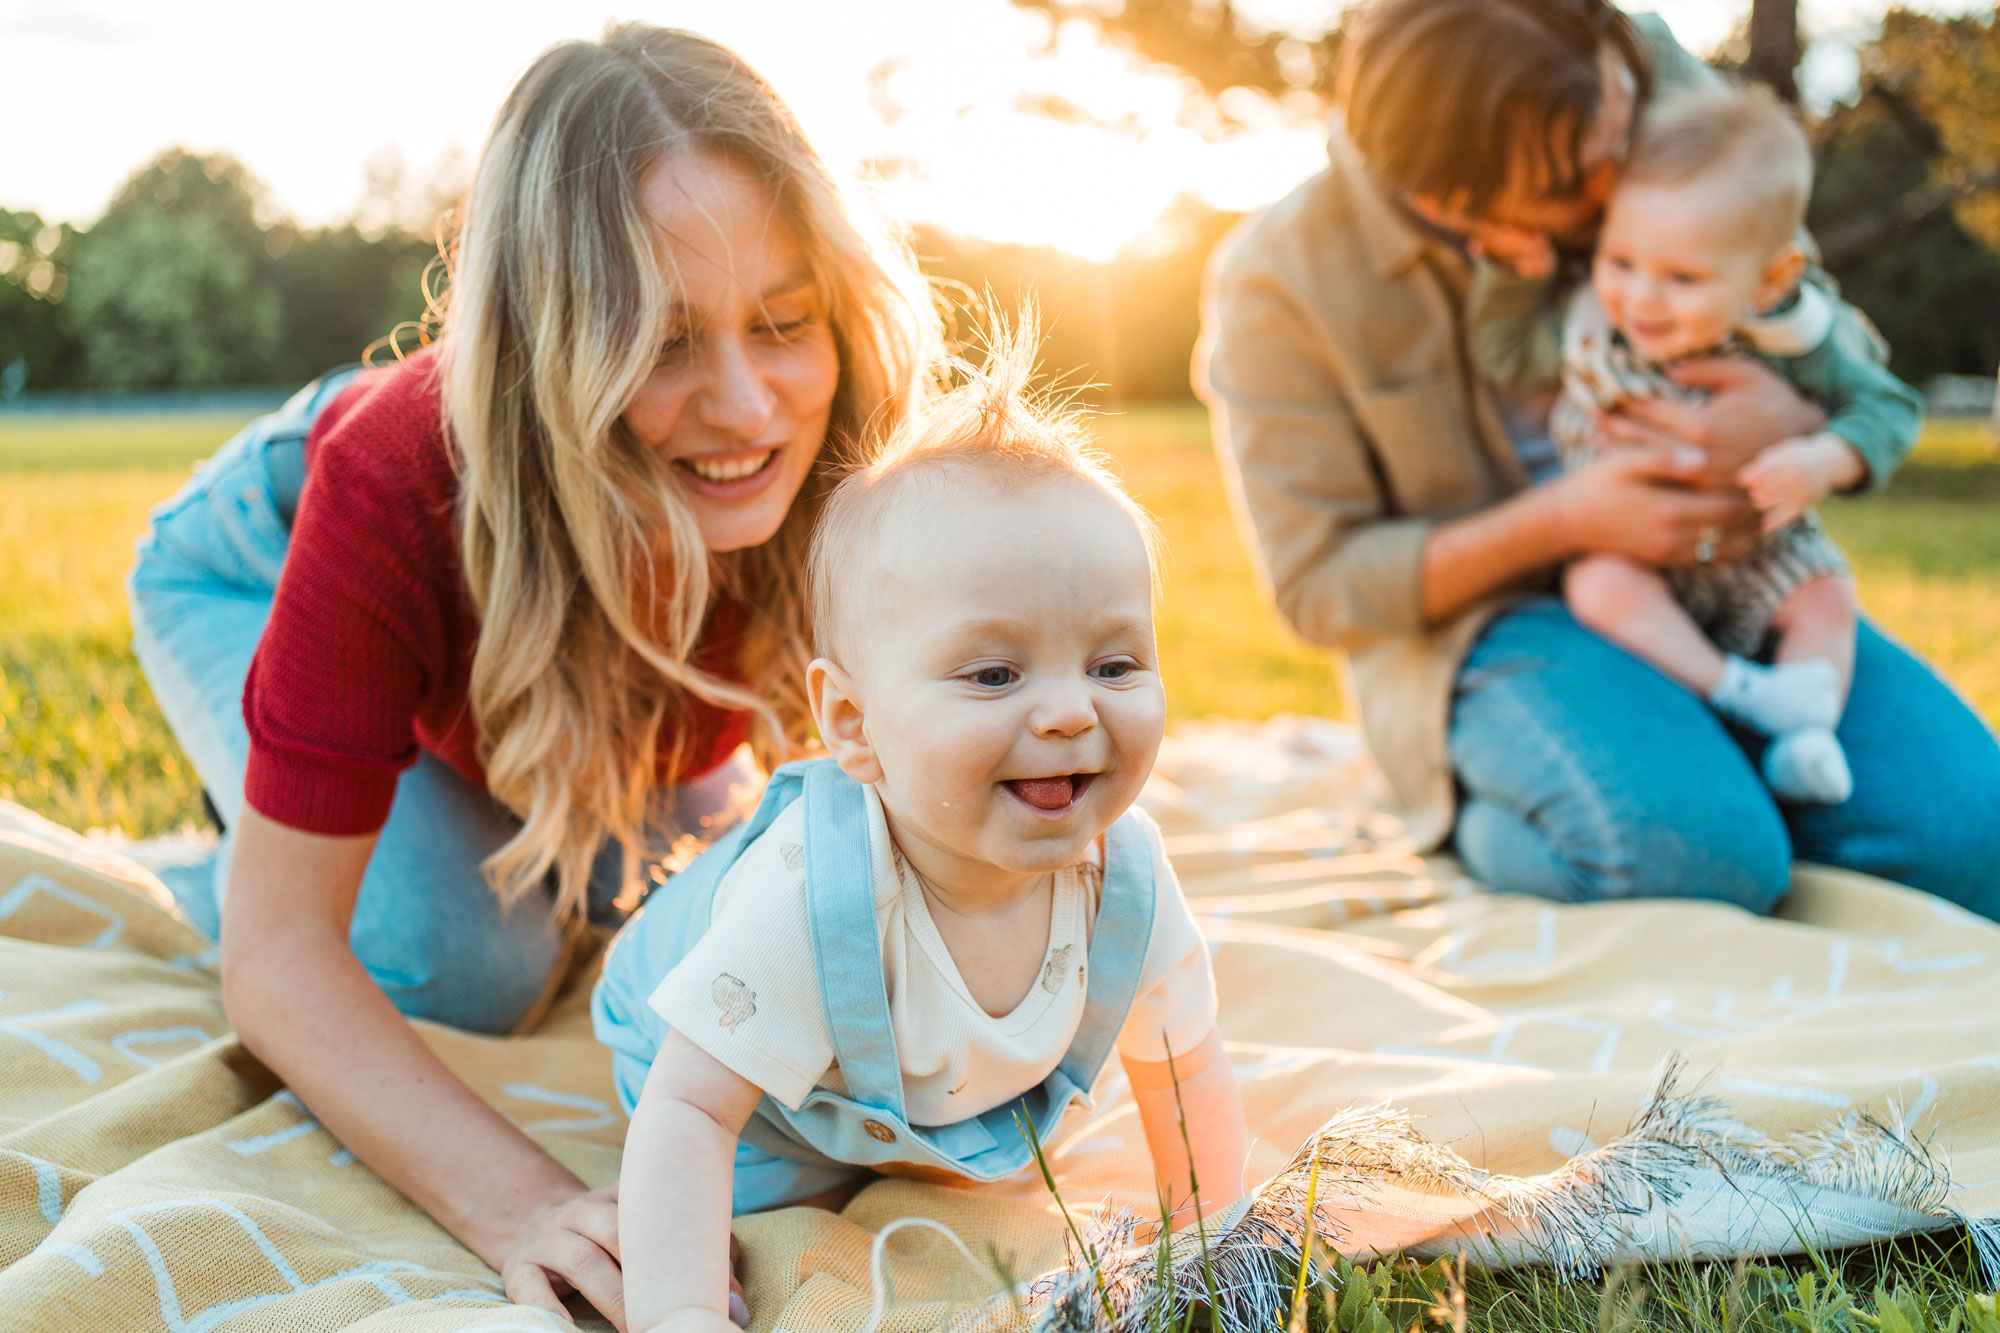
784	1156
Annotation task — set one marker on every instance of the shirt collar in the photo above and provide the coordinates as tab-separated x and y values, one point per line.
1388	233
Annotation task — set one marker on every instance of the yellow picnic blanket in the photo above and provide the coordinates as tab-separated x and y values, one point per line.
153	1175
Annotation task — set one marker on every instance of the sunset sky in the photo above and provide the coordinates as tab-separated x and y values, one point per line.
310	94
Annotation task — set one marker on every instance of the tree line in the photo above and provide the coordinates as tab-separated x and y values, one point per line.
186	281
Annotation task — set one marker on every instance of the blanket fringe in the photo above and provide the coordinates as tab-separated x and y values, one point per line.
1576	1218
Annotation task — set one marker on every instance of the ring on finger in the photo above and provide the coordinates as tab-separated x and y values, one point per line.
1704	545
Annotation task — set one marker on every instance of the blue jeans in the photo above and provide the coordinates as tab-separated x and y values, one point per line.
1586	775
426	925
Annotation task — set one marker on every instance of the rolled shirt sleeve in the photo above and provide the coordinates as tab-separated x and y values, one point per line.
747	992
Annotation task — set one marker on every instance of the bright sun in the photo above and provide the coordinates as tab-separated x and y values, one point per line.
1077	146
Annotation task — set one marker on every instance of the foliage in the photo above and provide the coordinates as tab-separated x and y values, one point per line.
184	282
1215	43
1947	70
1123	329
1929	286
162	299
341	292
34	278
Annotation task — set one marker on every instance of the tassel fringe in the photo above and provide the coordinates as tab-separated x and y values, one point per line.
1597	1208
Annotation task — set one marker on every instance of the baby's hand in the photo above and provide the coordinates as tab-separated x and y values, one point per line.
1792	476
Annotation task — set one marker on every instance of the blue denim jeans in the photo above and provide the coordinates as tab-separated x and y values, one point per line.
426	925
1585	775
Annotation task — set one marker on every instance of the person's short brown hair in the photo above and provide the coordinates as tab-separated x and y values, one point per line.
1741	135
1441	97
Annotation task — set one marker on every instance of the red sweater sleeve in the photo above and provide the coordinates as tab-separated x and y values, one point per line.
367	657
366	614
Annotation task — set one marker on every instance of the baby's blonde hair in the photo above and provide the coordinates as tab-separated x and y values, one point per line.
1741	134
993	428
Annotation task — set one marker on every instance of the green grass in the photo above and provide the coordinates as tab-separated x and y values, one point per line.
82	742
81	739
1223	650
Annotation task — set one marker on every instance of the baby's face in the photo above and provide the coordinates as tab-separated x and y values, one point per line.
1678	268
1007	675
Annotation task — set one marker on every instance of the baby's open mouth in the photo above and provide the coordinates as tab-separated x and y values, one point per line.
1051	794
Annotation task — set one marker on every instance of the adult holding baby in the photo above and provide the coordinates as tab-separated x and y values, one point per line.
1391	492
535	582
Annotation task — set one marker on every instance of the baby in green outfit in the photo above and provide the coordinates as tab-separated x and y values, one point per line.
1700	254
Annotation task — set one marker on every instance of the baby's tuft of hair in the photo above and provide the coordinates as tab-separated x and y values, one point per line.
994	430
1741	136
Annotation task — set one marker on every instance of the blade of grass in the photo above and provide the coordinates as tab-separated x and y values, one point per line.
1194	1184
1296	1322
1026	1124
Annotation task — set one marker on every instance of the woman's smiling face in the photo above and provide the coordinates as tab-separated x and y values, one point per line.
738	402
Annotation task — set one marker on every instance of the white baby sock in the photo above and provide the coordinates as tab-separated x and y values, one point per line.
1808	766
1781	698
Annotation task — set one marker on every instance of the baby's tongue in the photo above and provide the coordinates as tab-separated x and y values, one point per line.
1045	793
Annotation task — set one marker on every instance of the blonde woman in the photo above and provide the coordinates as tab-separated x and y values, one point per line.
446	640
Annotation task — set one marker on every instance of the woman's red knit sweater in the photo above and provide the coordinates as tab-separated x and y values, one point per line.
367	658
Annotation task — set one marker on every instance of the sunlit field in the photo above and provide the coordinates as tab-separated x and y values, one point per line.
82	742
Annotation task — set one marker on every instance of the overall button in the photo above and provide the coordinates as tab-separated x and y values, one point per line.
878	1131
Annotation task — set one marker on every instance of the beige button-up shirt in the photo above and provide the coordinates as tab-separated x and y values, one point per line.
1348	421
1336	363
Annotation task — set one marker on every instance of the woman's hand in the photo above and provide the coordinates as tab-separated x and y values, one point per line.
371	1080
573	1246
1637	502
570	1244
1748	408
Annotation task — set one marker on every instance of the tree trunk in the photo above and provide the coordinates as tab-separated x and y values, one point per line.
1774	45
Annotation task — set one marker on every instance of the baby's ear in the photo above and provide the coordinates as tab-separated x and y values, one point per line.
1782	272
836	710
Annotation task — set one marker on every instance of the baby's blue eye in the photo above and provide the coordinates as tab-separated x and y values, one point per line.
1117	670
993	678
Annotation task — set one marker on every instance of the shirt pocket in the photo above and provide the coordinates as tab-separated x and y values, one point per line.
1425	438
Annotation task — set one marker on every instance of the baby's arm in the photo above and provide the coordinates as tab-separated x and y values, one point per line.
1877	415
1213	1107
674	1196
1793	475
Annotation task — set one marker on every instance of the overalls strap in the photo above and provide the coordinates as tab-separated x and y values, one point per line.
1118	942
840	898
659	936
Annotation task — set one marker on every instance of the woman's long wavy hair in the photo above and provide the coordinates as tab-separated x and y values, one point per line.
589	574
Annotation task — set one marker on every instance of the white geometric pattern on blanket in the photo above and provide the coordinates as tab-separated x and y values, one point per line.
29	885
124	1042
1853	1009
375	1272
1510	1026
600	1113
61	1052
259	1143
